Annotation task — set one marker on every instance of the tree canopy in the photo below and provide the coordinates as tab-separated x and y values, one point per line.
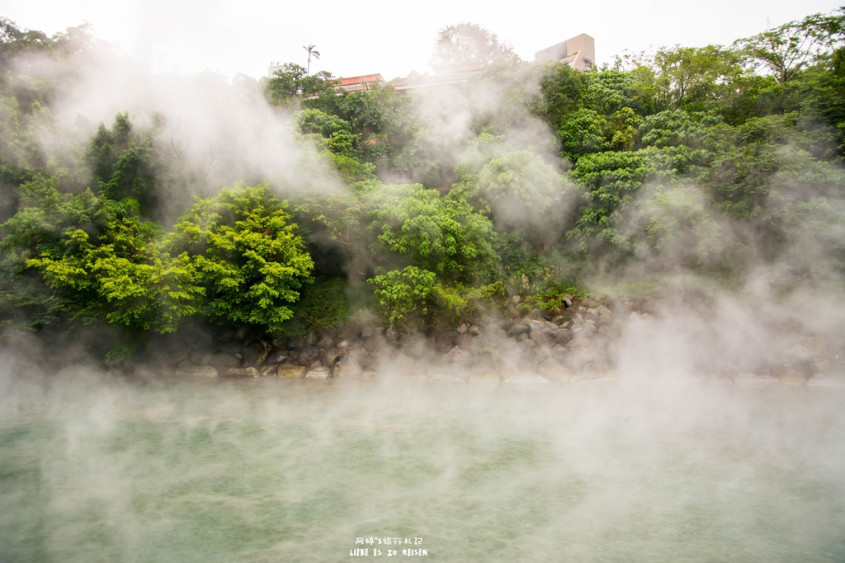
528	180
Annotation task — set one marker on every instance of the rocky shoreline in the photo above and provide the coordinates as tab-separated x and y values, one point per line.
517	346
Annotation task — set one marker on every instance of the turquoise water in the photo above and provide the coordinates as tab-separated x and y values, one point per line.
104	469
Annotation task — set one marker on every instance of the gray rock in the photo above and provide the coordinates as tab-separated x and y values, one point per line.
278	357
517	329
458	355
321	372
224	360
249	372
553	370
539	336
290	370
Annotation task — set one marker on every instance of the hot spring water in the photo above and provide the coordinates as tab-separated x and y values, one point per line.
101	469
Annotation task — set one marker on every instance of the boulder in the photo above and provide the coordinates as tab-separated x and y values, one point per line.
224	360
555	371
321	372
517	329
604	313
290	370
249	372
196	371
278	357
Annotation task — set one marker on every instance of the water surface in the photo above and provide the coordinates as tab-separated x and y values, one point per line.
95	468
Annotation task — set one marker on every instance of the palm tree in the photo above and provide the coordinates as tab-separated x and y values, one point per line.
311	53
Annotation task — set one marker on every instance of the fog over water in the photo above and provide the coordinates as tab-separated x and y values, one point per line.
103	469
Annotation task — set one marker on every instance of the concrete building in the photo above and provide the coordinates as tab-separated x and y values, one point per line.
579	52
274	66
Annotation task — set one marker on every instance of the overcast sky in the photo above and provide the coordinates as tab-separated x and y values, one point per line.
388	36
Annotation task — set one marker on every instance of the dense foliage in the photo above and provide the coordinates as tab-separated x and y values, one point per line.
711	159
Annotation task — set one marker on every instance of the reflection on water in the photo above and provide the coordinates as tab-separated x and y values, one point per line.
103	470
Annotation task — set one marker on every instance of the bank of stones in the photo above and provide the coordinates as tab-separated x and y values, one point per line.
520	347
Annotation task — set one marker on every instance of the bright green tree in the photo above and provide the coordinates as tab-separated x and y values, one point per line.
247	255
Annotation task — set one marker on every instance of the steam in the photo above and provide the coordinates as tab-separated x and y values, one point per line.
215	133
664	439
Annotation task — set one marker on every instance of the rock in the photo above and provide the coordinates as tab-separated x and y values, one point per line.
348	368
608	330
249	372
554	370
290	370
309	356
581	340
485	375
475	330
462	328
459	356
567	303
333	356
464	340
367	332
268	371
517	329
321	372
392	336
539	336
224	360
196	371
278	357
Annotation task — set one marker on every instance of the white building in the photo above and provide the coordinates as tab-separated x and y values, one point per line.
579	52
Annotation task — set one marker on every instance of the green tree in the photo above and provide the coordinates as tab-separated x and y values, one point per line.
523	194
86	258
441	234
248	257
583	132
293	84
793	46
123	163
561	91
696	78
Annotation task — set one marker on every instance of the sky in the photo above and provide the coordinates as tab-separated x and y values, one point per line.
230	37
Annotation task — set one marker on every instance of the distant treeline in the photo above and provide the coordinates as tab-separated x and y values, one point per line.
526	180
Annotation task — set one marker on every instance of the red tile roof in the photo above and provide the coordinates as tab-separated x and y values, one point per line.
353	80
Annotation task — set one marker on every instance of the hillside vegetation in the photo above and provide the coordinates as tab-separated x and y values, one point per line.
430	206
